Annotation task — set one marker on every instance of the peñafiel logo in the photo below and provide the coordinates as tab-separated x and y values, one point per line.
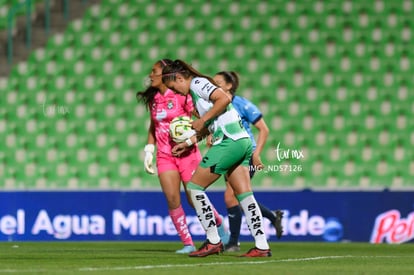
391	228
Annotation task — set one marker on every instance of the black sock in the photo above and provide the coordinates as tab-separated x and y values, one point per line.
235	217
267	213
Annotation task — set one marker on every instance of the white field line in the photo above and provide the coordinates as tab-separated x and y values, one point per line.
142	267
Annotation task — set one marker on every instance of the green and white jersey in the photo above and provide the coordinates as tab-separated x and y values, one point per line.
227	124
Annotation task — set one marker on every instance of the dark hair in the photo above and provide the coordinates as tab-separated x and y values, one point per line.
232	78
178	66
148	95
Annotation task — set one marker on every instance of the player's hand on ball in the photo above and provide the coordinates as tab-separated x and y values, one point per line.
188	134
198	124
181	129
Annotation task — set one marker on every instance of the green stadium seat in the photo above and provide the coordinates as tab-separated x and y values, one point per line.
332	78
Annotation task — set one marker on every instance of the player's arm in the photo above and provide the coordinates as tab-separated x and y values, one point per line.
221	100
193	139
151	133
261	140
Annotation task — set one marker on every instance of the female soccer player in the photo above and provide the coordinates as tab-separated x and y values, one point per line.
164	105
229	155
250	114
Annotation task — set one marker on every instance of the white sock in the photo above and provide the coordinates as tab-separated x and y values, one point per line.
205	213
254	220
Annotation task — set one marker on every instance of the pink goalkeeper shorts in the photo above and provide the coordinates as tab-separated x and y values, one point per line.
185	165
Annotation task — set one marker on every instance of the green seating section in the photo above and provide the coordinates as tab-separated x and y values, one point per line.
333	79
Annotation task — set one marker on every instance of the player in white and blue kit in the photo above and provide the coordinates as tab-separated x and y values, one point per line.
250	115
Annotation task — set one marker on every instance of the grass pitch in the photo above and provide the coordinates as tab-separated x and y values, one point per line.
159	258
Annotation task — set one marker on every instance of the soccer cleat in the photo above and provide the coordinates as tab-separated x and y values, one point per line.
186	249
223	233
278	223
256	252
208	249
232	247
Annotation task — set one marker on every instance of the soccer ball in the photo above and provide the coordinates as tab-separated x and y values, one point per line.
180	129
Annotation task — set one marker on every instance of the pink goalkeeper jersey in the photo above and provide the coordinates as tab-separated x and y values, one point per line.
165	108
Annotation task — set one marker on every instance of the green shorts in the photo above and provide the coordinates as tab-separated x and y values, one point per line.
227	154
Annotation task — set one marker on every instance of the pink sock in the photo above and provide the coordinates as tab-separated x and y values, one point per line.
178	218
217	216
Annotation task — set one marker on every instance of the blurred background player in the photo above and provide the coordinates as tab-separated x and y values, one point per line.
250	114
164	105
229	155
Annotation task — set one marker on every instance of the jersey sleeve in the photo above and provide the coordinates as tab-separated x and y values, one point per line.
250	111
202	87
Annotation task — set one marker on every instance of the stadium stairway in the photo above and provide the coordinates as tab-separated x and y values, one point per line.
60	16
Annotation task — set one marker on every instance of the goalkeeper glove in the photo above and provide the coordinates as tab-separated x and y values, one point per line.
149	155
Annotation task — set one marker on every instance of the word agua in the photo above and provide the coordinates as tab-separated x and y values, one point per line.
60	226
391	228
282	153
64	226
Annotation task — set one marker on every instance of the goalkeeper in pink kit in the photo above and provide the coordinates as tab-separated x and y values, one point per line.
164	105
